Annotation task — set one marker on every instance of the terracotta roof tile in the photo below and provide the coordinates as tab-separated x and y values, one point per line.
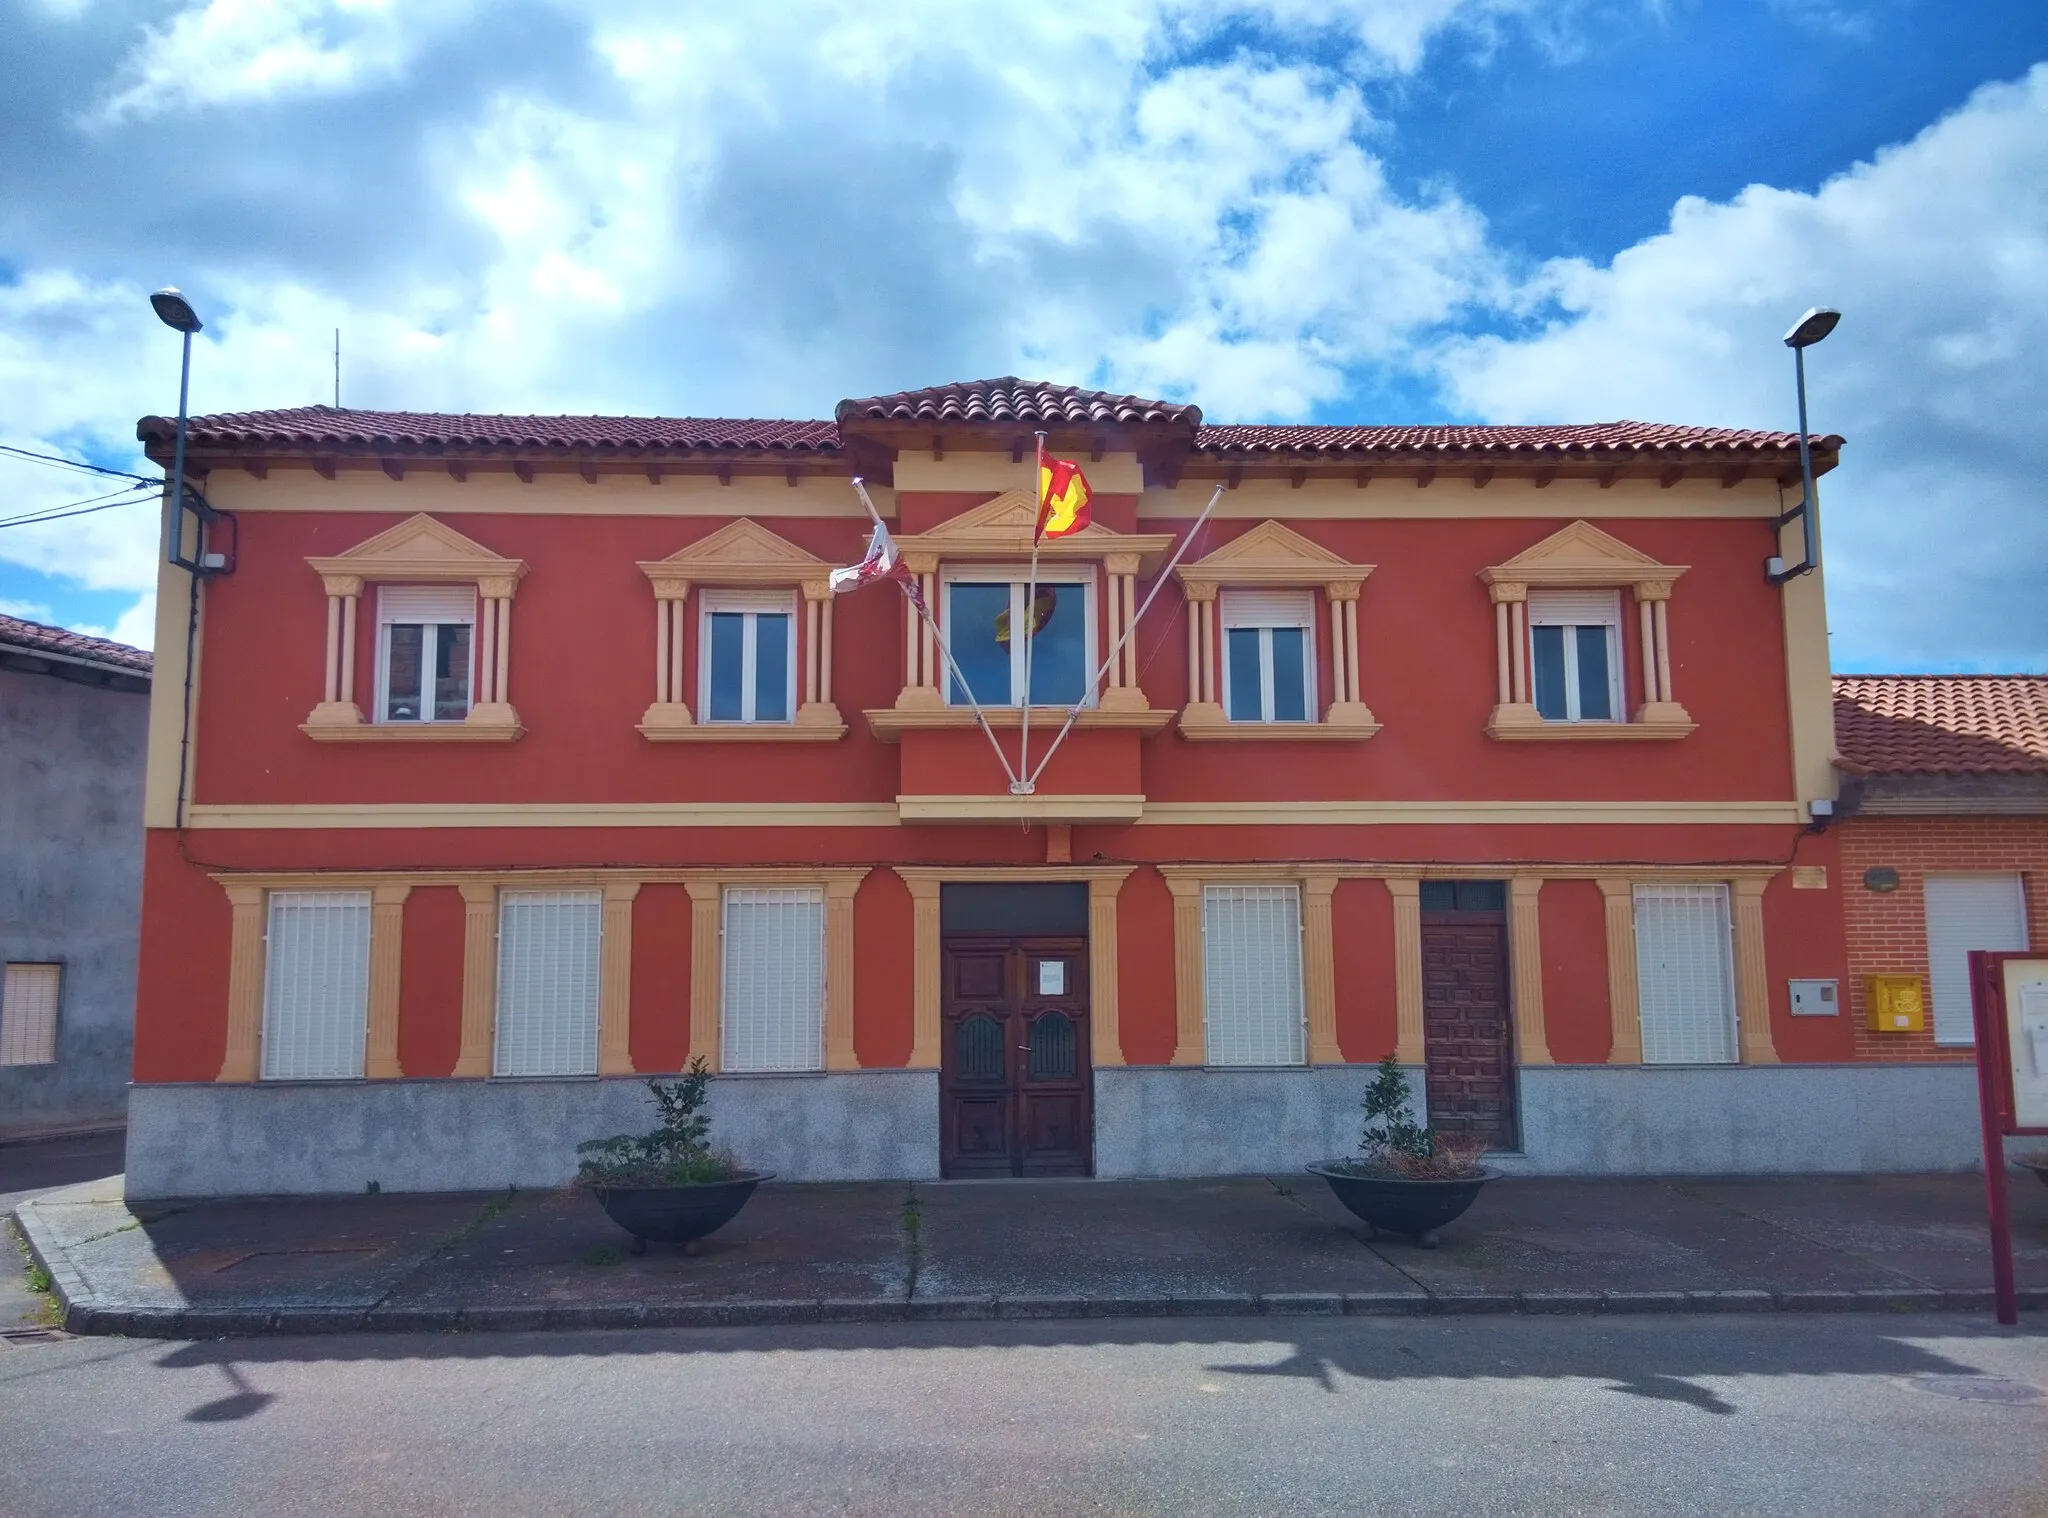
314	426
18	632
1942	724
1010	399
1585	437
998	402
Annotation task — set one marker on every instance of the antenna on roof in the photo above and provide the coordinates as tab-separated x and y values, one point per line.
337	368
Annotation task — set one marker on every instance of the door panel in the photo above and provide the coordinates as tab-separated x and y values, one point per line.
1015	1083
1468	1048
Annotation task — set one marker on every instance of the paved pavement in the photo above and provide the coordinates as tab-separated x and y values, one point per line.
1848	1414
30	1168
1021	1249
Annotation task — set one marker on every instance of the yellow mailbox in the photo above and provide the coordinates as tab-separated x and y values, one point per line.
1896	1003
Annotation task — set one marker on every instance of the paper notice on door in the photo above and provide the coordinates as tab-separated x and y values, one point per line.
1052	977
2034	1023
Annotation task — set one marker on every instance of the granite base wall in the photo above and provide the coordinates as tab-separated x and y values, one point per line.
212	1140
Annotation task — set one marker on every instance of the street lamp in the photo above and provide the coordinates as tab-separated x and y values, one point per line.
176	313
1808	330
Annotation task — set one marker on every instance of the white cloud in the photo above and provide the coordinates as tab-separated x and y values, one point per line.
1937	254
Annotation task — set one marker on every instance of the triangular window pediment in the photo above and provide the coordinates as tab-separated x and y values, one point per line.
1001	528
739	553
419	549
1581	554
1274	554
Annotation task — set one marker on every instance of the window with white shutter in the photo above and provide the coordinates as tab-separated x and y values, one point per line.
1685	974
1251	975
774	1013
1575	654
1268	655
547	982
28	1014
747	648
1966	912
424	652
316	985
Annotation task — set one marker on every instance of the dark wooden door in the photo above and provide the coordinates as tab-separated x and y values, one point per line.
1015	1081
1467	1039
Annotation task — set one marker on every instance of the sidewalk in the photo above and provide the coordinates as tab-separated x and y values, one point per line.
1044	1249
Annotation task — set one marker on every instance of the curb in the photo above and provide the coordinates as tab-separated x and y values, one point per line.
86	1313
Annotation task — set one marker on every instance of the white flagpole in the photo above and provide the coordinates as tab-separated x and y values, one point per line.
916	600
1165	574
1031	614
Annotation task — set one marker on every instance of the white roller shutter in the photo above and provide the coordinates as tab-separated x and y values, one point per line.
547	982
1269	608
1575	608
1251	975
774	1014
28	1014
1685	975
426	603
1966	912
316	985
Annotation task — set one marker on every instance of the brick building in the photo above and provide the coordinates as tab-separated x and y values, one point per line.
1944	843
530	754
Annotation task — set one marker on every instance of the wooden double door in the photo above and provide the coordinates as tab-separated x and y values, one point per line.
1016	1085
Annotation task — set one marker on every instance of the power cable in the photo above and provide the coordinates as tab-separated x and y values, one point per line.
52	458
133	495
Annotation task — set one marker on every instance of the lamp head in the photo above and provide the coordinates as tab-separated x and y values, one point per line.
175	311
1812	327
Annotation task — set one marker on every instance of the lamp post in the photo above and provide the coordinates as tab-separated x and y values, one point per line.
176	313
1808	330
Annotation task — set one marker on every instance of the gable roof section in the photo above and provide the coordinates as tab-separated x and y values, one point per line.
19	635
1942	724
1009	399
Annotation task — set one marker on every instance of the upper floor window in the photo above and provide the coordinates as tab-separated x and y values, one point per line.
425	643
985	626
749	656
1575	654
1268	655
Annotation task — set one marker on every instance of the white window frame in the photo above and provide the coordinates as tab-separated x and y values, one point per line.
1216	975
805	1054
31	1011
584	1057
430	637
1649	998
1573	610
753	604
1265	611
339	991
1018	578
1948	985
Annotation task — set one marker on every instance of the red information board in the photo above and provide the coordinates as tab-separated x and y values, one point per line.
2009	1002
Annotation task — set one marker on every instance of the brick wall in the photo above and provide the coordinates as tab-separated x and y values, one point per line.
1888	931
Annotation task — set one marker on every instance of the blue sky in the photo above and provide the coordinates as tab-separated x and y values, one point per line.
1395	210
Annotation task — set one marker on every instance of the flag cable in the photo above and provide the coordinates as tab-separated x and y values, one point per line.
915	597
1165	574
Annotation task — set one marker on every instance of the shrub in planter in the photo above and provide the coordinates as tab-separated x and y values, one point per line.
669	1185
1408	1178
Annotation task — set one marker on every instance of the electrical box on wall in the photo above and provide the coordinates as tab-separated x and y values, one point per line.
1815	998
1897	1004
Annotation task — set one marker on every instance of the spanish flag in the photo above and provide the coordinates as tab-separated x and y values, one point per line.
1063	496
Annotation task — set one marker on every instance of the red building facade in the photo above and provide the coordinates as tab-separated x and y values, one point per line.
527	756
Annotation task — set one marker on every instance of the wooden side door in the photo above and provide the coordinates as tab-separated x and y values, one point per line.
1015	1082
1467	1036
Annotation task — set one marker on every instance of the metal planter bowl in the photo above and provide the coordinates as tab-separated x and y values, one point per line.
1417	1209
677	1214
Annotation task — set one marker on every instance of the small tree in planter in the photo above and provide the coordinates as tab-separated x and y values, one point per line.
1408	1178
668	1185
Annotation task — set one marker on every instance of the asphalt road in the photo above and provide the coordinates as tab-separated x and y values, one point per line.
1855	1414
